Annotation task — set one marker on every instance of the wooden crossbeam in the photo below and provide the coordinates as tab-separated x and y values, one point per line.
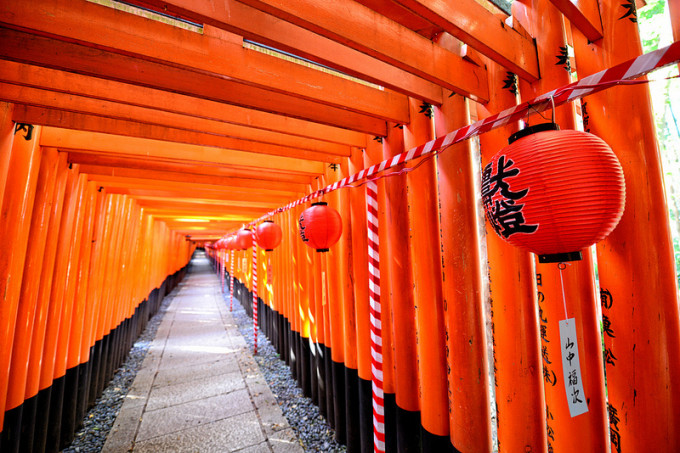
257	176
161	102
387	41
584	14
92	123
193	189
29	48
263	28
173	152
222	181
473	24
47	102
213	54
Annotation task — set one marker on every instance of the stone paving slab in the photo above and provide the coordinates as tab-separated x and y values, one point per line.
199	389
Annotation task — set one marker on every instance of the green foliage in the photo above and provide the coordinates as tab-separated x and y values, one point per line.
655	32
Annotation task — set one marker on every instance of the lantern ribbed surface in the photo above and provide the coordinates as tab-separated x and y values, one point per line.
268	235
244	239
554	191
320	226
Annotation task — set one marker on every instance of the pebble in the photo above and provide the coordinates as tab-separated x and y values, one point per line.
100	418
313	431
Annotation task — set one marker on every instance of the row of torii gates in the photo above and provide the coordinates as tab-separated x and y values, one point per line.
132	133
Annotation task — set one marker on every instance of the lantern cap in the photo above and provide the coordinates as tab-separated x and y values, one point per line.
560	257
532	130
268	220
319	203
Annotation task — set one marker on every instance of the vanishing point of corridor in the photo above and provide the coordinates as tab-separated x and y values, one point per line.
199	389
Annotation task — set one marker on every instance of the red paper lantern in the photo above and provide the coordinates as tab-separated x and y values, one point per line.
554	192
268	235
231	242
219	245
320	226
244	238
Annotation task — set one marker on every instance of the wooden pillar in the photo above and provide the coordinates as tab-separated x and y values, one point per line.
589	430
517	365
466	348
15	215
400	295
48	259
6	141
638	291
424	248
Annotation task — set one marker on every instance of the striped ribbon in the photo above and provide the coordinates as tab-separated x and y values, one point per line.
222	258
254	292
617	75
231	282
376	313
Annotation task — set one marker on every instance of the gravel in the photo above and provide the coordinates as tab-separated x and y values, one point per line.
302	414
100	418
314	432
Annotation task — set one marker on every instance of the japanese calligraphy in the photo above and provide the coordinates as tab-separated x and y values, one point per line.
571	368
548	374
614	435
609	357
500	201
607	326
549	429
606	298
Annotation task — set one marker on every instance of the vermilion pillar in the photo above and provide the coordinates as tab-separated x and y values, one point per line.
517	363
466	342
588	430
638	288
15	214
424	249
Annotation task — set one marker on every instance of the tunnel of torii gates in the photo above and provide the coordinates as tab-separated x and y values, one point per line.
132	134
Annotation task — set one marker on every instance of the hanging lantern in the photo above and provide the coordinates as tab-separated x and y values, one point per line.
219	245
244	238
230	242
320	226
554	192
268	235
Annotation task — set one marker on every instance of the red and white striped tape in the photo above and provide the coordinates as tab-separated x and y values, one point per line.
254	292
221	260
231	283
617	75
376	317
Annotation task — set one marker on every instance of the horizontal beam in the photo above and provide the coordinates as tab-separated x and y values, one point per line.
135	192
584	15
129	96
177	152
193	189
473	24
257	26
214	52
56	101
235	213
91	123
189	168
188	177
347	22
28	48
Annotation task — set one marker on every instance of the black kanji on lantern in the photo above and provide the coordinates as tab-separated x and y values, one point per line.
500	202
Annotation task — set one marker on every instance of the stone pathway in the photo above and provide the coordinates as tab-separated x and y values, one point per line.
199	389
